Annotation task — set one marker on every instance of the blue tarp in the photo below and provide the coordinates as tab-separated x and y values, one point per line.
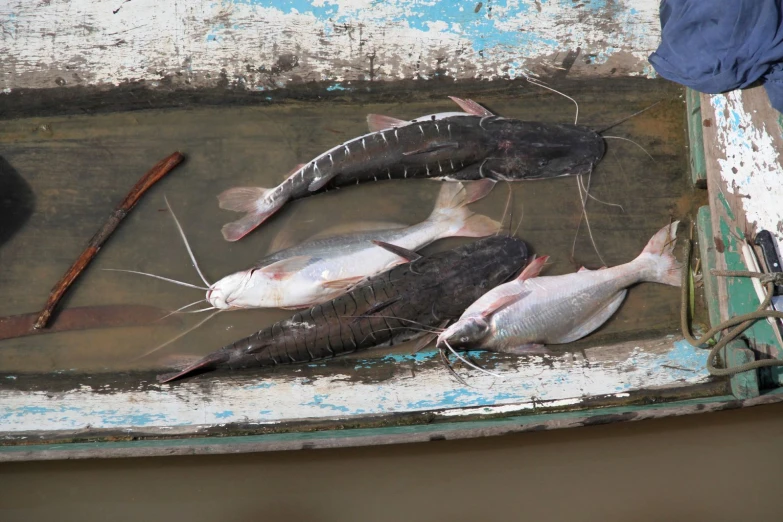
715	46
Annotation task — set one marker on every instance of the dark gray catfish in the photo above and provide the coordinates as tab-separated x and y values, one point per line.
451	146
387	309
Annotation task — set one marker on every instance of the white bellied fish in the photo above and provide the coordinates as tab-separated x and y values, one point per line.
531	311
321	269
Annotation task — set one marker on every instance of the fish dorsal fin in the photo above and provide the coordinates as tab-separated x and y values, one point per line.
471	107
433	146
533	268
404	253
379	122
502	302
296	168
285	268
585	269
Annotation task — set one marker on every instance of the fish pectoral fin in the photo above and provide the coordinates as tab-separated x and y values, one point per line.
404	253
599	317
425	340
320	182
524	349
433	146
379	122
471	107
342	284
285	268
533	268
502	302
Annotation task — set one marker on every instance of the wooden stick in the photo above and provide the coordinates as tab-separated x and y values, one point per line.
160	169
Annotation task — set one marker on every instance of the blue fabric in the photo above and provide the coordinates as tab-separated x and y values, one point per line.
715	46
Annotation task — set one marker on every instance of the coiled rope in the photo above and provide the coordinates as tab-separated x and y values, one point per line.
744	321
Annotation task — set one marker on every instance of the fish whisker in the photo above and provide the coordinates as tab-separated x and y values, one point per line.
576	117
198	311
629	140
180	336
156	277
187	245
506	210
467	362
182	308
604	202
433	329
583	200
447	364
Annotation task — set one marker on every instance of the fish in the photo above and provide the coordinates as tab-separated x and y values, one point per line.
399	305
450	146
323	268
532	311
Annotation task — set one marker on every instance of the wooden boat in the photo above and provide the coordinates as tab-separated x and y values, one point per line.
81	395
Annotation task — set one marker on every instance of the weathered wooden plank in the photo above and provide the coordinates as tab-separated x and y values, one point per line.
746	384
378	436
269	44
696	138
415	383
743	175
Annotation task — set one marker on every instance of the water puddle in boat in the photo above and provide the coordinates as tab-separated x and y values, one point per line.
79	167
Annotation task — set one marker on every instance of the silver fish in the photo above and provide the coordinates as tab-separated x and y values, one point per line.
529	312
321	269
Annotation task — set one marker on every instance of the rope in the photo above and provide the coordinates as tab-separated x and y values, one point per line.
744	321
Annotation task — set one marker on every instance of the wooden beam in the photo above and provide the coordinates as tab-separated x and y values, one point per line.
741	155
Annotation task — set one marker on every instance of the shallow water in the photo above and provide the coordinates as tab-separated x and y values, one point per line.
79	167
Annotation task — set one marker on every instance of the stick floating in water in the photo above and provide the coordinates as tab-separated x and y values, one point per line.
160	169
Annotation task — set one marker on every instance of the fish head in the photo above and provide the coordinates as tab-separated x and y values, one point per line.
465	333
244	289
534	150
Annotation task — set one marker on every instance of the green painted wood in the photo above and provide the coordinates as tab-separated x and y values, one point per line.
695	135
743	300
385	435
708	262
746	384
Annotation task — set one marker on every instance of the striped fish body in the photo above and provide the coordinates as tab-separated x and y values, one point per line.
448	146
455	148
387	309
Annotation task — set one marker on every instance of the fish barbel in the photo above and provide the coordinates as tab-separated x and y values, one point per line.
398	305
450	146
523	315
321	269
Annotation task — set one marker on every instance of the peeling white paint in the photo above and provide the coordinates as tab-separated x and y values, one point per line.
752	165
265	44
527	383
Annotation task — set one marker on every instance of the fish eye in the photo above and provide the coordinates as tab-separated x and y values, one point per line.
464	339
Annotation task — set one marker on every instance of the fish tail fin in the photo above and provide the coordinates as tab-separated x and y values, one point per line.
209	362
451	206
256	202
662	266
